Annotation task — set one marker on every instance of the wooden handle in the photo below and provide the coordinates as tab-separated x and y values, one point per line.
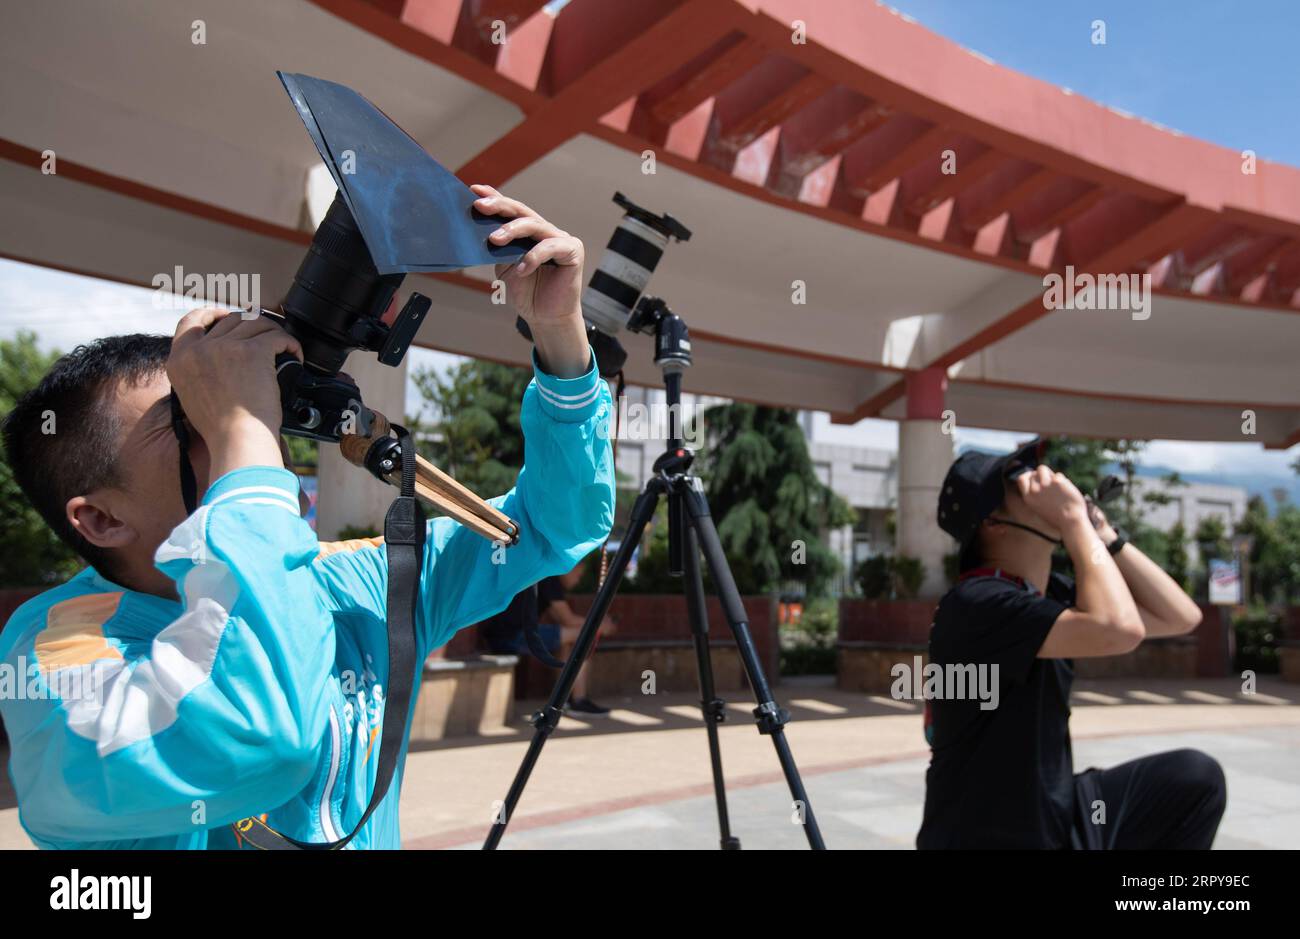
354	447
437	479
434	486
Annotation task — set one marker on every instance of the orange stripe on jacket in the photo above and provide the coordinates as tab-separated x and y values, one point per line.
74	632
353	544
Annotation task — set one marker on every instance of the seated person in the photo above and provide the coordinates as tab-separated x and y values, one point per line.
544	609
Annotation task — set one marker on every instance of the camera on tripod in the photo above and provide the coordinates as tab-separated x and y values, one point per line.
613	299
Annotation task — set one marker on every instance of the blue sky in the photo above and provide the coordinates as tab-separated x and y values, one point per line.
1223	71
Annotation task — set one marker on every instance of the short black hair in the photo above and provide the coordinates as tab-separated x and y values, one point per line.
61	438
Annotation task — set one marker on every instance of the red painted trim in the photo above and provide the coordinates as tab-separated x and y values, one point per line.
873	405
30	158
407	37
691	89
668	44
81	272
1123	398
925	394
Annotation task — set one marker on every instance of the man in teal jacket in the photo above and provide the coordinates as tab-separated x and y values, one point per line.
209	668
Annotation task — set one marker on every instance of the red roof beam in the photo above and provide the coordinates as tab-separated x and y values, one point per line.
702	78
653	51
1054	209
968	169
754	104
1217	244
1258	261
978	209
591	33
468	25
875	175
1150	239
819	132
486	14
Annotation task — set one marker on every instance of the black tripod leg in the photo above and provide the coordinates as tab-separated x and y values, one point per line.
713	707
771	719
545	720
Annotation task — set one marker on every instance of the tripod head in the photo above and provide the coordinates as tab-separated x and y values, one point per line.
673	356
672	338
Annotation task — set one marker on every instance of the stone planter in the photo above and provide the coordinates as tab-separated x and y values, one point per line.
463	697
654	634
1174	657
875	635
1288	657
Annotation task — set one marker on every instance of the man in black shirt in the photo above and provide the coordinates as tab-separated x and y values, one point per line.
1003	776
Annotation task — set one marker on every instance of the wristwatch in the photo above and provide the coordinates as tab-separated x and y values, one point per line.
1121	539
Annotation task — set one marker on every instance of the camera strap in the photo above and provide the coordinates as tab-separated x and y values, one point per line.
189	486
404	535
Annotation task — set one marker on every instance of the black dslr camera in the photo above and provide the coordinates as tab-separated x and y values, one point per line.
336	305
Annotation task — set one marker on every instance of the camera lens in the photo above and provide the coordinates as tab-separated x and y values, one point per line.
335	285
630	258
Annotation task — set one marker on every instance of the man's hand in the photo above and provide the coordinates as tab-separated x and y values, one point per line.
1105	531
225	378
1053	498
548	298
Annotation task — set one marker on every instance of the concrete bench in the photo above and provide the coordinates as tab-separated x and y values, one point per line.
865	665
464	697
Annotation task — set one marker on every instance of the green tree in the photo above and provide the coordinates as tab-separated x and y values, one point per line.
1275	551
1082	460
1086	462
770	508
1177	562
1212	538
475	433
30	554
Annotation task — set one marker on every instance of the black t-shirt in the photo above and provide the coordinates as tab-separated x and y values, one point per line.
1001	778
501	633
549	590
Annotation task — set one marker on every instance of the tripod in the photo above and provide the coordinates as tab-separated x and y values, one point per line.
690	530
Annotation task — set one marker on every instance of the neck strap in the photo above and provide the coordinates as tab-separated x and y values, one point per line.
1033	531
189	486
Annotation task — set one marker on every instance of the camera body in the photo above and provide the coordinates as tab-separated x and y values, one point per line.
335	305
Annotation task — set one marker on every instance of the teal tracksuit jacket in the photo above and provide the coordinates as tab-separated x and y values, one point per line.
140	722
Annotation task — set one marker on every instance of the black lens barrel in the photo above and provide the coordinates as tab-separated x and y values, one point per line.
336	284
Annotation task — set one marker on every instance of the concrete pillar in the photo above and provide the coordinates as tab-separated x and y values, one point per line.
924	454
346	494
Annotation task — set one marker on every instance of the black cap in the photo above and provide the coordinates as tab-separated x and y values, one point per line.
974	487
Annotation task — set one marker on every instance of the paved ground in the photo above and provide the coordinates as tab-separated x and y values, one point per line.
641	778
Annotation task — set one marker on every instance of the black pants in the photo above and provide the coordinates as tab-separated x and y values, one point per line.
1169	800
